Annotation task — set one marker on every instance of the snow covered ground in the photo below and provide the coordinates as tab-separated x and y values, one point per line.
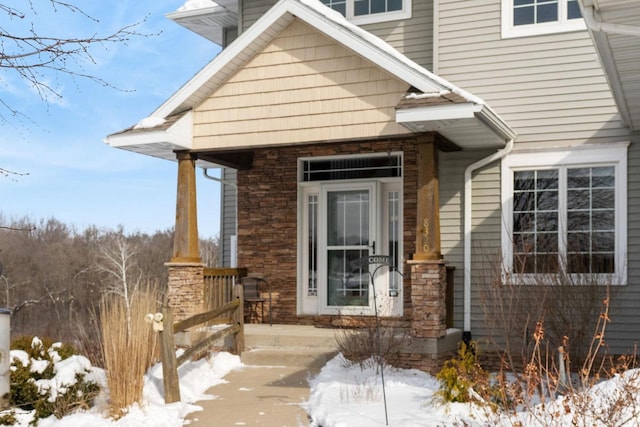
344	396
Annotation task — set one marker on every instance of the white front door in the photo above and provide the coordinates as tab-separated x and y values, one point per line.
343	219
349	233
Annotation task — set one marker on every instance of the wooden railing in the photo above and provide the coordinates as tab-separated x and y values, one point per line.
230	313
218	285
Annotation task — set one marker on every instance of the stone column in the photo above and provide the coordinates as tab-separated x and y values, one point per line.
185	291
428	293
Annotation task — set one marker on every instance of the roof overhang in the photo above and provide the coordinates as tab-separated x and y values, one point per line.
209	22
469	124
614	26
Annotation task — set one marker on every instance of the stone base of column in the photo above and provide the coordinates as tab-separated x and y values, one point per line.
429	354
185	292
428	298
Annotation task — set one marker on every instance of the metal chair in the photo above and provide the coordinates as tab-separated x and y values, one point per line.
253	296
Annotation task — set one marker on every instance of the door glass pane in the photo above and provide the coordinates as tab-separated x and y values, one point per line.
347	240
348	218
312	238
347	287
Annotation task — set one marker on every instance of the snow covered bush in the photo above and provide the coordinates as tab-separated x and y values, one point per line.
49	379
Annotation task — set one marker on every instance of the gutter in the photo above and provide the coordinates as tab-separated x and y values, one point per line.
595	24
205	172
499	155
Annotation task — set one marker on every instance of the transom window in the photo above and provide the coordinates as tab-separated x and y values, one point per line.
532	17
370	11
566	212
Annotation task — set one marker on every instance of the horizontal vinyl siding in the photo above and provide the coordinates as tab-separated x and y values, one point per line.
254	9
302	87
624	329
552	91
486	221
413	37
228	226
551	88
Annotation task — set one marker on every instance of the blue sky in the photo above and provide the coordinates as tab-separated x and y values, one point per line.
72	175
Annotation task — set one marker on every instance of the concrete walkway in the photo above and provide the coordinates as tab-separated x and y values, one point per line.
273	383
257	396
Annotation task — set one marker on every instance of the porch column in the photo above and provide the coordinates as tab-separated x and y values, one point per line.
428	270
428	209
185	243
185	291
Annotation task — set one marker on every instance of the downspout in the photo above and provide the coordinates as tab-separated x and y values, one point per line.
205	172
589	15
500	154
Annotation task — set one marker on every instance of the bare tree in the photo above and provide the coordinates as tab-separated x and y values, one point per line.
36	56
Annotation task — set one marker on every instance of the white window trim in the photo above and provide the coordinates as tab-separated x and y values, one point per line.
612	154
562	26
405	13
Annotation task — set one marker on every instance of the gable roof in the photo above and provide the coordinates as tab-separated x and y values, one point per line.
614	26
465	122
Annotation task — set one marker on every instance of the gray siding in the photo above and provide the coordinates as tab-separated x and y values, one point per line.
413	37
228	210
551	89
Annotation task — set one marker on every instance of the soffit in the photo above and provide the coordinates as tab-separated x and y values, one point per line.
620	53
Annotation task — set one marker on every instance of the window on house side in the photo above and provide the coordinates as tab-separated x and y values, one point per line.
533	17
566	211
370	11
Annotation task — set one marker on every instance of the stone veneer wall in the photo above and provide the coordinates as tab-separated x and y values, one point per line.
267	221
428	288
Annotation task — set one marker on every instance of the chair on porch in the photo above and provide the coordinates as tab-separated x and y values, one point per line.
253	288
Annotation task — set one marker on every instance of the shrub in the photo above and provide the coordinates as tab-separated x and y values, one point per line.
361	345
40	380
462	379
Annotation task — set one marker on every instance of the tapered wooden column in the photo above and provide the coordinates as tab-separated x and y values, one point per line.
185	290
428	209
185	243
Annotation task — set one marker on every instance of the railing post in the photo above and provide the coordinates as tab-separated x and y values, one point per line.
238	319
168	355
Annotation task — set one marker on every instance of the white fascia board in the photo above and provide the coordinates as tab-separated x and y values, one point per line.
178	135
482	113
433	113
225	57
351	37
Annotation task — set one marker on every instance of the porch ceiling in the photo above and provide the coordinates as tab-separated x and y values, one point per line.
614	26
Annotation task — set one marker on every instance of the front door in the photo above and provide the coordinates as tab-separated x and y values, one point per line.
349	235
350	208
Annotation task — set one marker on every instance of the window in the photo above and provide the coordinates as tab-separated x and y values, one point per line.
534	17
370	11
566	211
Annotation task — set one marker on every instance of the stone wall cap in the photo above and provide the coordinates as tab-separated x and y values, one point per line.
184	264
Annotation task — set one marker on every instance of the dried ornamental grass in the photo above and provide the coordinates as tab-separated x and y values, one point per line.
129	346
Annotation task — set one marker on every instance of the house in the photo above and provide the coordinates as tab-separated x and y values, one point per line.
445	136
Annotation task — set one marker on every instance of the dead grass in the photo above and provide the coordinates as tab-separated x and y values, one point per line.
129	345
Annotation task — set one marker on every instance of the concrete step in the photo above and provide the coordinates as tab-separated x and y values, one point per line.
288	345
298	357
289	336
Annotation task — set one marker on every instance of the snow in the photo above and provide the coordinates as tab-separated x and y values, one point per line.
149	122
196	4
341	395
